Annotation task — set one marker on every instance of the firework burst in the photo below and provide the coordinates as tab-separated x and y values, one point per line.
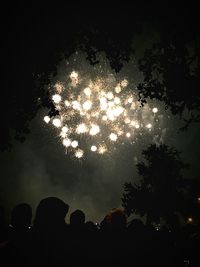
98	113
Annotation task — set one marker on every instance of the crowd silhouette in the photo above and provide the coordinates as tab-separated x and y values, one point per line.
50	241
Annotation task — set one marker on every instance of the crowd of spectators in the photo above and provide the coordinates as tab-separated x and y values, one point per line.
50	241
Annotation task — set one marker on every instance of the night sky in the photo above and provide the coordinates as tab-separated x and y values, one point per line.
34	39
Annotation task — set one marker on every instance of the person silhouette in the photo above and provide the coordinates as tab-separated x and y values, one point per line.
77	219
50	232
78	238
112	240
50	213
117	219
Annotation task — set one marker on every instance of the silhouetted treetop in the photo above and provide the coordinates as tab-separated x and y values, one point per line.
171	69
162	190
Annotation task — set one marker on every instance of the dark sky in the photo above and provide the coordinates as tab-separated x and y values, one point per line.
33	38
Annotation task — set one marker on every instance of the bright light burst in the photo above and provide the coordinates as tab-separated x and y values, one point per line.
113	137
93	148
66	142
98	113
56	98
57	122
155	110
47	119
79	153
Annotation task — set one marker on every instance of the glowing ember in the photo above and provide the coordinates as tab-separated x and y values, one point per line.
94	129
124	83
74	144
149	126
110	95
47	119
56	98
155	110
76	105
79	153
113	137
81	128
74	78
87	91
65	129
67	103
87	105
102	149
57	123
93	148
118	89
66	142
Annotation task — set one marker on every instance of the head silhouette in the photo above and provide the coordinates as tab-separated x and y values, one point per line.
77	218
117	219
50	212
105	223
21	216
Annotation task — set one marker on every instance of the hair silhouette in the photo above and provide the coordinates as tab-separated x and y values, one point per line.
50	212
77	218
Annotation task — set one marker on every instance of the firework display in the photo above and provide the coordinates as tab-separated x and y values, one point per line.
98	113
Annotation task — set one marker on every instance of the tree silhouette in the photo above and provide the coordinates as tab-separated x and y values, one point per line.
171	69
162	190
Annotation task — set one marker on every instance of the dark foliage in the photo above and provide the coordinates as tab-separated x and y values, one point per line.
171	68
162	191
